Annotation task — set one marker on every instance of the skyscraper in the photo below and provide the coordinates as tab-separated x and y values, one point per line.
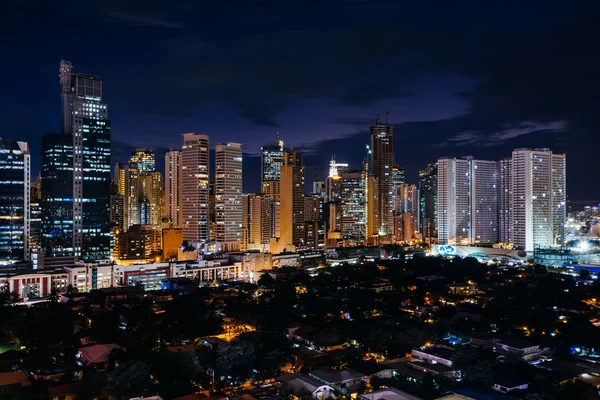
468	195
86	126
143	159
271	162
539	198
152	193
353	204
256	222
428	202
195	164
173	188
382	163
15	177
228	196
292	200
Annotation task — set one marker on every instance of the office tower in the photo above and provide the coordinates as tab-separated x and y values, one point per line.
505	217
132	194
381	164
292	200
228	196
152	195
406	198
256	222
428	202
372	209
353	206
140	242
319	188
271	162
86	125
173	186
539	198
195	158
57	192
15	177
143	159
332	183
117	208
397	175
468	196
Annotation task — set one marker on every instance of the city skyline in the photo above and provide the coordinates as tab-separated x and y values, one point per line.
484	104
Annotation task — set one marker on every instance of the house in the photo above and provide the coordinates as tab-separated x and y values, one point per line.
462	289
371	369
506	384
527	350
96	356
14	378
69	391
338	379
439	354
432	368
388	394
301	385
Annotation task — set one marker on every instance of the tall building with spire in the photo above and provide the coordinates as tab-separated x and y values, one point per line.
195	165
228	197
382	163
76	183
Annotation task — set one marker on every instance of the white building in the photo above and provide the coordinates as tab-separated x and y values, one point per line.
468	194
195	158
228	196
539	198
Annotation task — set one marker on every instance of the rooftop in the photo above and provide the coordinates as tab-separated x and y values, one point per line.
335	376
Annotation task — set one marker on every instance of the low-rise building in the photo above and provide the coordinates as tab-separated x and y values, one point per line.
527	350
506	384
439	354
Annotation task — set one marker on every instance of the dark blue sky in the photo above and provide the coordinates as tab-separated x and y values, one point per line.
469	78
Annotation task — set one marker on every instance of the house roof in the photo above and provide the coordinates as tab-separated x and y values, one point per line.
299	382
13	378
368	367
517	343
98	353
388	394
336	376
510	382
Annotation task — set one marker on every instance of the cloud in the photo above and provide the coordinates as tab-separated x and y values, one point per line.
144	20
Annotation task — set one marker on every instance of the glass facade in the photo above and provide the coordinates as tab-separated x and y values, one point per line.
14	201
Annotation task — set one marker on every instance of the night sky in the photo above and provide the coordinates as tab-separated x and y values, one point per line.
470	78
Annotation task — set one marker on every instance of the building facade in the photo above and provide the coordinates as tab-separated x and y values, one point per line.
15	197
292	200
173	188
256	222
382	164
86	126
195	165
228	197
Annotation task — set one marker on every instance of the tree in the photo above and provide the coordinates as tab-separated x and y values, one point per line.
235	360
128	380
464	356
480	374
266	281
584	274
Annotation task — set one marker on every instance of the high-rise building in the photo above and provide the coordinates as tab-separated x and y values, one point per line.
15	180
505	216
428	202
353	202
468	196
406	198
151	192
292	200
195	165
228	196
86	125
381	164
143	159
256	222
173	188
312	207
35	211
539	198
271	162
